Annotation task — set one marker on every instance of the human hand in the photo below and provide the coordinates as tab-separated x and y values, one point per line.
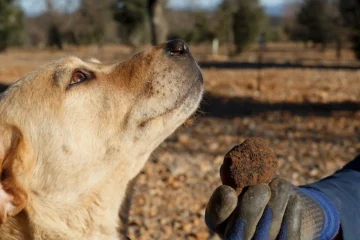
277	210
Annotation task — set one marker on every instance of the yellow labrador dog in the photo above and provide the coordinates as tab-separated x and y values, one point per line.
74	133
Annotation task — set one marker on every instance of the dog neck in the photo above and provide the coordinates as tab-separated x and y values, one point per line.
97	215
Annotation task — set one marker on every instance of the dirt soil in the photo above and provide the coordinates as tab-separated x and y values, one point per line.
310	117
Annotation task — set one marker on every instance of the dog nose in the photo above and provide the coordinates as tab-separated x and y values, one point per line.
176	47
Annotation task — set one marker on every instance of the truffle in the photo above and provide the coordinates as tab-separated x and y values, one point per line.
247	164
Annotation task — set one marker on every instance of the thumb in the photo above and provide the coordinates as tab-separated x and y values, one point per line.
219	208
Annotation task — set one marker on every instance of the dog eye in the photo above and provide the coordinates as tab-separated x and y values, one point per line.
78	77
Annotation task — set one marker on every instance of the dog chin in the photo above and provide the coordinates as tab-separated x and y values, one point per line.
184	105
191	103
187	104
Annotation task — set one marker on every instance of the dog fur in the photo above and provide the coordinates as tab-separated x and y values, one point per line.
68	152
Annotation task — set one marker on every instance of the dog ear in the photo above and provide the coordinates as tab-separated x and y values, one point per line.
13	197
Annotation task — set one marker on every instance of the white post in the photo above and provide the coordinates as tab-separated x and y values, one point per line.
215	46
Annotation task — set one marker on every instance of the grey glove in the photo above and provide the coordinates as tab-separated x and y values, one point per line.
275	211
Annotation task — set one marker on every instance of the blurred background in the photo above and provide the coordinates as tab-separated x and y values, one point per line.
286	71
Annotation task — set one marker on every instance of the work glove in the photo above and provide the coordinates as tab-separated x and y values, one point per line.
277	210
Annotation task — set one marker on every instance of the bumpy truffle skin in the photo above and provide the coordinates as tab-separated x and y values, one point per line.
247	164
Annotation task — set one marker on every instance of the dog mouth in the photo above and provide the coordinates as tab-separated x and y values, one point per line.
197	81
195	88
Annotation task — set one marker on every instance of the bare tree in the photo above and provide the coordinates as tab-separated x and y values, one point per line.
159	28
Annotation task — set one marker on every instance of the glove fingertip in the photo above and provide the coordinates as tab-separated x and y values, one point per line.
220	206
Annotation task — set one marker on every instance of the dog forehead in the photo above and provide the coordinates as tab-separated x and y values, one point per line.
94	60
67	65
68	62
71	63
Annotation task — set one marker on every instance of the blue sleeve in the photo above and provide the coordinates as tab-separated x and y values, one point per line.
343	188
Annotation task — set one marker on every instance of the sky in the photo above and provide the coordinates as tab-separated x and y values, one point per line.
212	3
34	7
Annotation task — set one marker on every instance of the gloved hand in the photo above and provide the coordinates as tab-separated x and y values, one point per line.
275	211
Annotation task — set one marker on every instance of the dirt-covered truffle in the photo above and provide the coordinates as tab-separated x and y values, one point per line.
247	164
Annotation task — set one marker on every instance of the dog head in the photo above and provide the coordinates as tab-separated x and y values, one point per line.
67	126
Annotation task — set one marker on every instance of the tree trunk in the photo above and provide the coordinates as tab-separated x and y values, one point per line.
53	34
159	28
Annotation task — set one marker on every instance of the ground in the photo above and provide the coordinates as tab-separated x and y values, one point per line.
306	107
